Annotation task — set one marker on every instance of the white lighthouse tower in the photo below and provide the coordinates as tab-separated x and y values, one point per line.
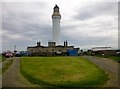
56	25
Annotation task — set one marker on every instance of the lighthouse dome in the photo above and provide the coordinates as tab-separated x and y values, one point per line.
56	11
56	6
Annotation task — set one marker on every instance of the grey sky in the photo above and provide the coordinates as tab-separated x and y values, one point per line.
83	24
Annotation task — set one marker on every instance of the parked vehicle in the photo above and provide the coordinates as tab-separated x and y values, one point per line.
17	55
9	54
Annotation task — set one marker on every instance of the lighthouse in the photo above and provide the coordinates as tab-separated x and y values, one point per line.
56	25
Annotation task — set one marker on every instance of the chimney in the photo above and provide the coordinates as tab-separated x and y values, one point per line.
38	44
66	43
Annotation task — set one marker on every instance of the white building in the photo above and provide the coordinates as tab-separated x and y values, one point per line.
54	47
56	25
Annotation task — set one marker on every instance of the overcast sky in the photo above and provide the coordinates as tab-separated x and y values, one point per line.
84	24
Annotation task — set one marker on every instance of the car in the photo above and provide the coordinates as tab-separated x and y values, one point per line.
17	55
9	54
118	53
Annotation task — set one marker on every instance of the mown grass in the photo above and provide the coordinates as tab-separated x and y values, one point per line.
2	58
115	58
6	66
62	72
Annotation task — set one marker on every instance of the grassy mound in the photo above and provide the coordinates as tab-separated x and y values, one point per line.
62	72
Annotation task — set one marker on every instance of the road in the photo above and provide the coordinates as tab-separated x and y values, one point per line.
110	66
13	78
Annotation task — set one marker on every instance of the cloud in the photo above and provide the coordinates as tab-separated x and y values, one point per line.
83	25
22	22
92	10
96	24
98	31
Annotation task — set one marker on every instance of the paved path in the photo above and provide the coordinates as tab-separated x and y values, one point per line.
110	66
13	78
2	64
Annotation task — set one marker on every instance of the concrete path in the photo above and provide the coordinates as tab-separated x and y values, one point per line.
13	78
2	64
110	66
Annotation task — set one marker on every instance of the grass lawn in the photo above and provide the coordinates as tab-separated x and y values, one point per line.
62	72
115	58
2	58
5	66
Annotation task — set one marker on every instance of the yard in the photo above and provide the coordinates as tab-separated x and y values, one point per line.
62	72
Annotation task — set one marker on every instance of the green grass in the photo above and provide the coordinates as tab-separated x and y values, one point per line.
2	58
6	66
115	58
62	72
